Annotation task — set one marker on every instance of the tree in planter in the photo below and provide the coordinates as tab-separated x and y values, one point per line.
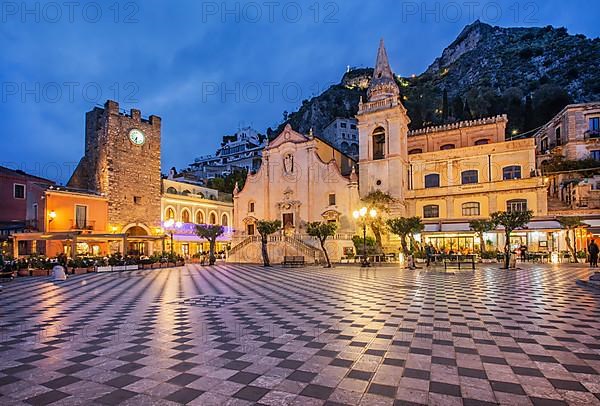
405	227
481	227
265	228
210	232
510	221
322	230
380	202
570	224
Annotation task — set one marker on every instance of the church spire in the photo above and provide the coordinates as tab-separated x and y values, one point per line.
383	84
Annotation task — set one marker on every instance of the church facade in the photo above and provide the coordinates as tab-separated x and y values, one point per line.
302	179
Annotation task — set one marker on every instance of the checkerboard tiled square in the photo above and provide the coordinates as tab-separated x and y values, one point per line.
245	335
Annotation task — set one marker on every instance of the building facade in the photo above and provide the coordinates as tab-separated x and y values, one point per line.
302	179
342	133
241	151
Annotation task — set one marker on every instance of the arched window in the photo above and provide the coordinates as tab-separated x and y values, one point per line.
415	151
471	209
354	149
345	147
172	190
186	192
251	207
431	211
483	141
469	177
447	146
515	205
213	218
379	143
185	216
511	172
432	180
199	217
169	214
224	220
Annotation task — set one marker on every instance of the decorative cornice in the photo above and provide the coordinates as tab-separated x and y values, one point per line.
459	124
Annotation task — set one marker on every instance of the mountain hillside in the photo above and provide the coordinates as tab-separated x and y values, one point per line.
527	73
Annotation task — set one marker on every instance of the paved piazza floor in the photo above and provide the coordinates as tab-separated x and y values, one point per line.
245	335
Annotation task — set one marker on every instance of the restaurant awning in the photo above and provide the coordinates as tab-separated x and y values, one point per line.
431	228
543	225
455	227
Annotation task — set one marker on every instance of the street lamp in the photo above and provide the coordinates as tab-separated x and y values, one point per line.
169	224
361	216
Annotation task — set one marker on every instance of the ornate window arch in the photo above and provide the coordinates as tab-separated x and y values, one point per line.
169	213
447	146
212	218
172	190
185	215
482	141
415	151
199	217
224	219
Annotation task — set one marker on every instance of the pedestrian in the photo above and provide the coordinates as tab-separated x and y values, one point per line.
428	253
523	250
593	251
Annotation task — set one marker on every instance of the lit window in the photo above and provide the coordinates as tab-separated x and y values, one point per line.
516	205
431	211
469	177
199	217
213	218
224	220
170	214
511	172
432	180
470	209
185	216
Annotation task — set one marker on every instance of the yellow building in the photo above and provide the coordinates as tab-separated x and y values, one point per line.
183	205
447	175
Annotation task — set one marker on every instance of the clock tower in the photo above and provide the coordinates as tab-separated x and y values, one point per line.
383	129
122	162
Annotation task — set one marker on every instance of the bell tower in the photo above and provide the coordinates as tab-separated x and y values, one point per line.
383	128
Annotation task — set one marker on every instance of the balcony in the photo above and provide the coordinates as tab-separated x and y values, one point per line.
591	134
82	225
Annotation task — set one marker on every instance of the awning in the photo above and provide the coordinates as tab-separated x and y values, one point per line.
431	228
456	227
592	222
544	225
196	239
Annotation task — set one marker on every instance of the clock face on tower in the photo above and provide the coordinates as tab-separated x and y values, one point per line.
137	137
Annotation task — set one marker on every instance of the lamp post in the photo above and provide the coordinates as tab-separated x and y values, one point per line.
361	215
169	224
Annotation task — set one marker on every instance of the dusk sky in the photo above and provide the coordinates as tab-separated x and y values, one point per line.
208	71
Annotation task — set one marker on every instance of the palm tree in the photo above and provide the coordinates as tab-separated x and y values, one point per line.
210	232
570	224
510	221
265	228
322	230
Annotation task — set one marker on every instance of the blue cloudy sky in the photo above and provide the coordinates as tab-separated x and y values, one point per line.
208	68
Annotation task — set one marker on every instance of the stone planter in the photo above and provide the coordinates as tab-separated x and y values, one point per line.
23	272
170	264
180	263
147	266
164	265
40	272
155	265
80	271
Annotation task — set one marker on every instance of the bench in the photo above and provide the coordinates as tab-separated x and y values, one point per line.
469	261
293	261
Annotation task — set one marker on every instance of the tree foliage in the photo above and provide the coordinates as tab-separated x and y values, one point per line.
570	224
510	220
380	202
322	230
265	228
480	227
210	232
405	227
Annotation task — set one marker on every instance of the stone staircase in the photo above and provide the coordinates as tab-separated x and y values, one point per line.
249	248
